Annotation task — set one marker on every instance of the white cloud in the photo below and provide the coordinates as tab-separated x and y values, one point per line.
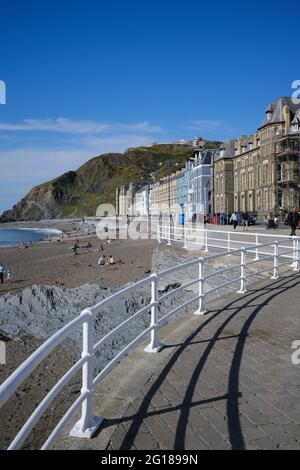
23	168
204	125
31	158
66	125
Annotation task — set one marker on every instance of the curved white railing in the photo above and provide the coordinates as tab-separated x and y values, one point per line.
88	423
198	238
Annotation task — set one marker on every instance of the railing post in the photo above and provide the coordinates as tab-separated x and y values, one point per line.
205	241
275	264
201	309
228	241
87	424
169	234
154	346
185	238
296	262
257	249
243	288
159	228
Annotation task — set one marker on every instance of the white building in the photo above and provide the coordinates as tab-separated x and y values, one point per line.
142	202
200	182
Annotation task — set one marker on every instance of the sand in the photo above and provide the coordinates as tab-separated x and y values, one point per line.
53	263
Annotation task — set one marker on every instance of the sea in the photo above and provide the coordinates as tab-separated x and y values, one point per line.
16	236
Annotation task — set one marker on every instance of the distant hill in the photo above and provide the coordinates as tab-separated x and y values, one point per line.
79	193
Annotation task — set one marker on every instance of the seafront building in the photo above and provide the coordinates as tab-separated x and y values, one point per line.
125	199
223	186
258	173
164	195
142	204
200	186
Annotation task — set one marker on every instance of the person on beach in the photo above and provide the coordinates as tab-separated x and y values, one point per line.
9	277
75	248
234	220
1	273
293	219
110	260
102	260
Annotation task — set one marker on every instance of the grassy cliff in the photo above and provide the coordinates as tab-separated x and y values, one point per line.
78	193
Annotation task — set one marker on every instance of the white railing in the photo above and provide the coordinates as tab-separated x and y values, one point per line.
88	423
197	238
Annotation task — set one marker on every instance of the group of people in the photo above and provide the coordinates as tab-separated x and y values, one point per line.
106	260
234	220
272	222
8	273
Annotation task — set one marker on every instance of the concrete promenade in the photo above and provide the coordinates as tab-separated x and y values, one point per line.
223	381
229	384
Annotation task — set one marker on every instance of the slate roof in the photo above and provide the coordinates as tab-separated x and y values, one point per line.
275	110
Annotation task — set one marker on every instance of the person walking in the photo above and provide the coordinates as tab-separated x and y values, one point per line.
9	277
293	219
245	219
234	220
1	273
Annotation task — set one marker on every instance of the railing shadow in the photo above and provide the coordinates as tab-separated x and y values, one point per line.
234	426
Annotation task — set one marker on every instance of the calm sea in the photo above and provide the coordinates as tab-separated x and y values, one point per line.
15	236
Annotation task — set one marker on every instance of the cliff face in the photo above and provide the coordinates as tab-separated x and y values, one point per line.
78	193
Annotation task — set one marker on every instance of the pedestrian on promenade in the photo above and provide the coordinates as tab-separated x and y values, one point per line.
270	222
293	220
245	219
234	220
1	273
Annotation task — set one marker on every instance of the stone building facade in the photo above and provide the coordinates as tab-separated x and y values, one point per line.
223	185
164	195
125	199
261	173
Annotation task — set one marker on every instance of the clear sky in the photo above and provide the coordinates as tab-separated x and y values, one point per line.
85	77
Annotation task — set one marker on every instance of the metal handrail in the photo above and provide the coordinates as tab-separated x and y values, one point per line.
88	423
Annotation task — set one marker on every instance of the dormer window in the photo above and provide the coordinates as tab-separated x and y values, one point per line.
295	126
222	152
269	112
250	145
236	151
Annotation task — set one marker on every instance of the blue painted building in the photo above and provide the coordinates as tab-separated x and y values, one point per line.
183	195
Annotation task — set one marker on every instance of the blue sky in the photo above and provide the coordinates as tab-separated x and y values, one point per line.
85	77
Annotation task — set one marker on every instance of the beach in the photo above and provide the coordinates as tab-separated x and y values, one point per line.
53	263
